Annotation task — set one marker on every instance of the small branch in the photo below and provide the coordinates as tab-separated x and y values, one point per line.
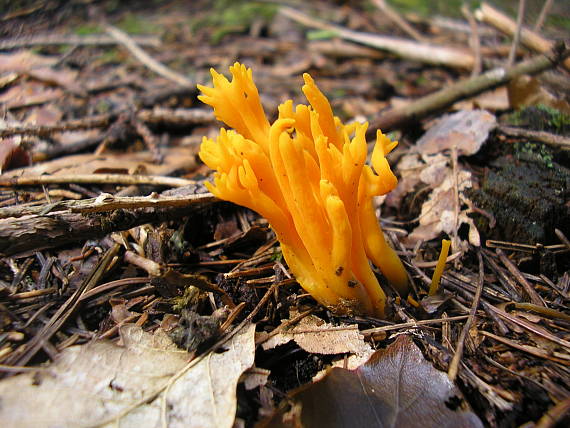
122	179
57	40
422	52
542	136
90	122
454	365
474	40
517	35
503	23
463	89
146	59
177	116
88	219
543	13
395	17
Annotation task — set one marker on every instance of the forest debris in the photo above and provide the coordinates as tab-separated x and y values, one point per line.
73	40
120	179
428	162
527	91
97	381
13	154
316	336
423	52
466	88
175	158
488	14
385	392
467	130
146	59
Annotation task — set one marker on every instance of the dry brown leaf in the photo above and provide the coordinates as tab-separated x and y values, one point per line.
397	387
318	337
466	130
23	61
527	91
13	154
140	162
91	383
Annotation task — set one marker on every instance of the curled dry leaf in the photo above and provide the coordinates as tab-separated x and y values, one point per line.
318	337
466	130
397	387
89	384
429	164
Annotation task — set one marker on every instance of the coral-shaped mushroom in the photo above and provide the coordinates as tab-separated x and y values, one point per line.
306	173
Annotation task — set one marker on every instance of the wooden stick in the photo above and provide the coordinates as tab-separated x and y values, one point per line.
73	40
439	100
422	52
146	59
503	23
122	179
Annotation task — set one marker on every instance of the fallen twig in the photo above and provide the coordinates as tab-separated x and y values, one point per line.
454	365
423	52
542	136
122	179
52	229
46	130
439	100
503	23
74	40
146	59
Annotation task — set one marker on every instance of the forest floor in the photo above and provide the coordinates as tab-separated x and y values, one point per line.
129	294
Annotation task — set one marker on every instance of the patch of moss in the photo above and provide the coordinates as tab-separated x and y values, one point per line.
527	198
541	118
87	29
539	151
136	24
234	17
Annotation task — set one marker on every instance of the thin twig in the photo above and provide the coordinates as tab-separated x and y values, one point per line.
412	324
528	38
423	52
146	59
553	140
474	40
122	179
542	16
454	365
395	17
46	130
73	40
397	118
517	35
530	291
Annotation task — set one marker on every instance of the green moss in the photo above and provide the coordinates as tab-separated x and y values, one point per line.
87	29
136	24
541	118
538	151
233	17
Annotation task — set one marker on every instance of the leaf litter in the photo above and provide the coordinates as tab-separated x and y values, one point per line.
88	108
92	383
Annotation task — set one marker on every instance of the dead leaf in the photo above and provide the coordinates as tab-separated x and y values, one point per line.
438	212
89	384
174	158
13	154
23	61
467	130
397	387
527	91
315	336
